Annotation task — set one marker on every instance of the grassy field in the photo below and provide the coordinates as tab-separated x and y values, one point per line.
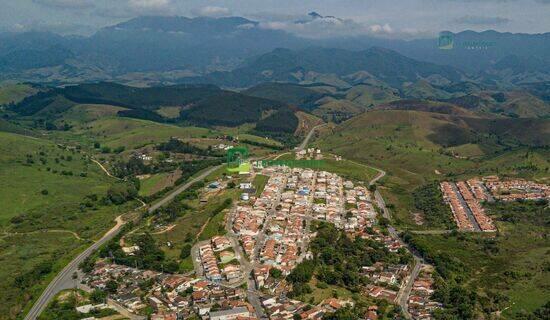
158	182
51	209
24	176
15	92
259	183
328	291
134	133
20	254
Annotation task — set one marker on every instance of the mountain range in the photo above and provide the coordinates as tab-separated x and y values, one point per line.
162	50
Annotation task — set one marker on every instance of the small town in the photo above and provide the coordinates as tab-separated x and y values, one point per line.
241	274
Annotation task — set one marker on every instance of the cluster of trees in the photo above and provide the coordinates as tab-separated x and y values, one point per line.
149	256
134	166
172	211
287	139
283	120
32	277
338	258
428	199
189	168
50	125
228	109
460	301
542	313
122	192
262	144
531	212
178	146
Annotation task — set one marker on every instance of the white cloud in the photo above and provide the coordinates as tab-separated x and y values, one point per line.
317	26
481	20
150	4
66	4
212	11
130	8
378	29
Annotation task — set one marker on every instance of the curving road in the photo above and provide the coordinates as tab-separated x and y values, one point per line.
64	279
404	293
308	137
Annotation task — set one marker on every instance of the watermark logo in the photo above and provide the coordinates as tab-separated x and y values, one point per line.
446	41
237	160
311	164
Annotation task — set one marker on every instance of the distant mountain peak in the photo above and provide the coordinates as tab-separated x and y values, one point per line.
184	24
314	15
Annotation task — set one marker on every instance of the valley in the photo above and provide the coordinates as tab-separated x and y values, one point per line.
235	168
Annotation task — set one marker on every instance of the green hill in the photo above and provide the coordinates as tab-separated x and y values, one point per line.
427	106
288	93
515	104
405	142
422	89
312	64
229	109
13	93
203	105
369	95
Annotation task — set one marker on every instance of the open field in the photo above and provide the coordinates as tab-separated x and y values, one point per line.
25	176
44	253
134	133
15	92
259	183
158	182
45	219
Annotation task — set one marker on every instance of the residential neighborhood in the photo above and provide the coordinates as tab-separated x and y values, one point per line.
241	274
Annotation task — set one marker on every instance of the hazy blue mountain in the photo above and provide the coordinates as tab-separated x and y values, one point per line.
168	43
200	46
287	65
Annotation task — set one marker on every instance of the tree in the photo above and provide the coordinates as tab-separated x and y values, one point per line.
98	296
185	251
275	273
111	286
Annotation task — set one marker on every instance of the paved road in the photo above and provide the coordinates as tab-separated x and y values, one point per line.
308	137
466	207
403	297
179	190
64	280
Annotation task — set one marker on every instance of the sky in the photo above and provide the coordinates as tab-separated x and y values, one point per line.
385	18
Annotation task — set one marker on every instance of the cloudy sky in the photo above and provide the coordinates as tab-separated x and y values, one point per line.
388	18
